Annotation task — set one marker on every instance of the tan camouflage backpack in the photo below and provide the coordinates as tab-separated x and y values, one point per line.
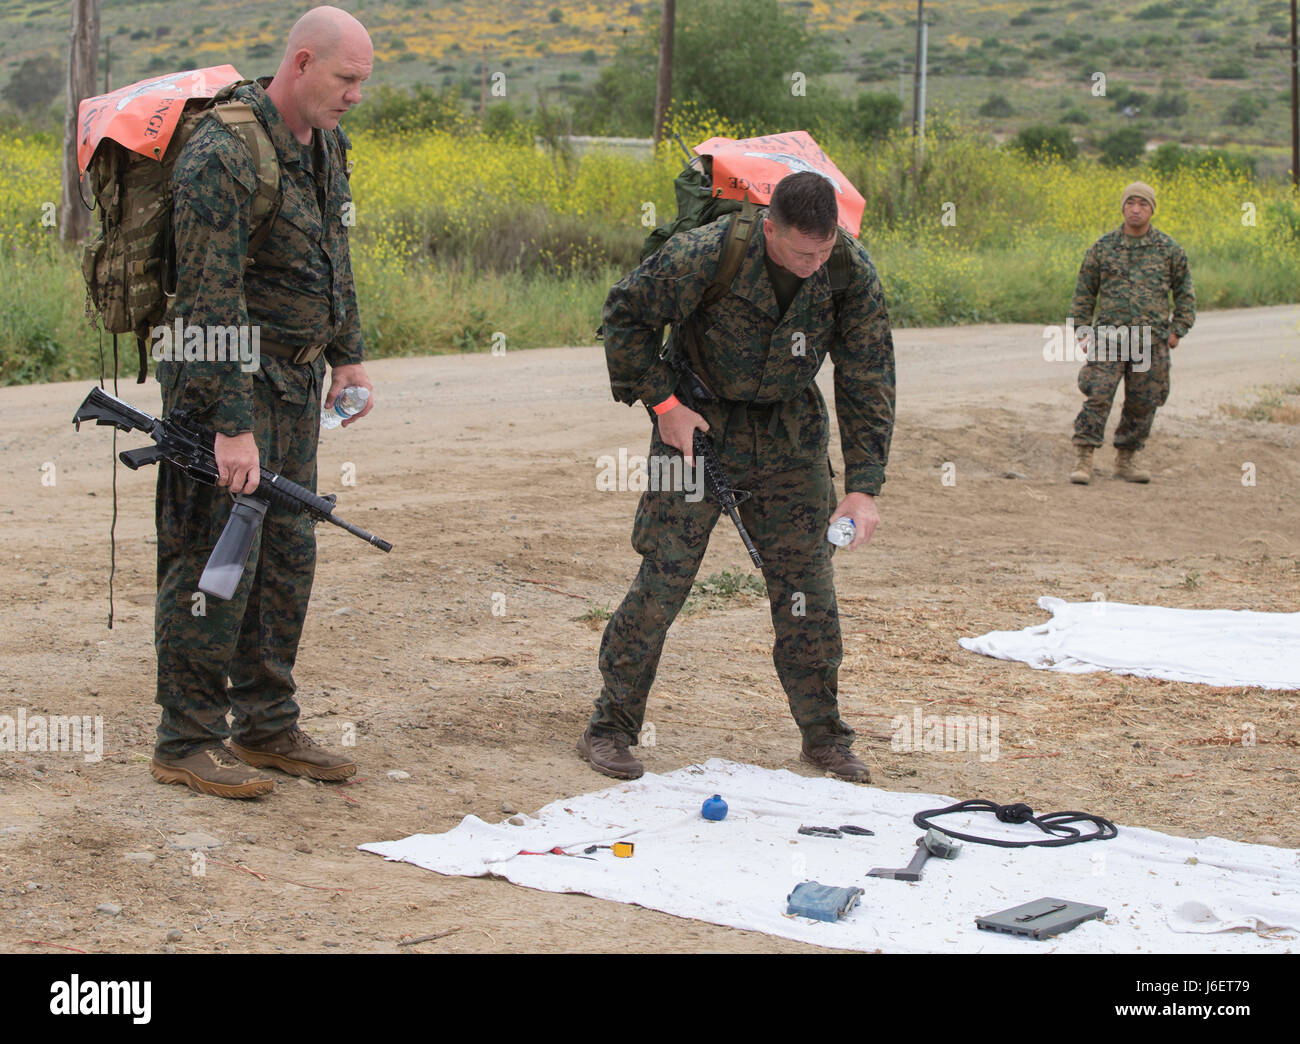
130	264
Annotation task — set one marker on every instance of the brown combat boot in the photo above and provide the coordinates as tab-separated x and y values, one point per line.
836	759
1082	473
1126	466
609	754
296	753
212	770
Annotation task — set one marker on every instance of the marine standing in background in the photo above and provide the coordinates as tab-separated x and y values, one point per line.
1128	277
237	656
758	347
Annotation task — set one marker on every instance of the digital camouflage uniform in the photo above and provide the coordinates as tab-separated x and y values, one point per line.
770	430
1128	280
299	290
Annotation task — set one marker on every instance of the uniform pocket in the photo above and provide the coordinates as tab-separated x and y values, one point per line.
648	524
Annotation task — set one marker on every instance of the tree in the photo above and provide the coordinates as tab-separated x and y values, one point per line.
83	60
752	61
34	84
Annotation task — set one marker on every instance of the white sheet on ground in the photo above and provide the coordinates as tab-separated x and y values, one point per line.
1162	894
1211	646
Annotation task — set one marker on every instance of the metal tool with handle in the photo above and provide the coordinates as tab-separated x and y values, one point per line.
932	843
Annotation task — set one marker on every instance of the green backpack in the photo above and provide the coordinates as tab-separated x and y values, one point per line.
698	205
130	265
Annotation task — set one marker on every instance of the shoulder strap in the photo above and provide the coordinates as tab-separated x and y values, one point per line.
740	230
839	268
239	118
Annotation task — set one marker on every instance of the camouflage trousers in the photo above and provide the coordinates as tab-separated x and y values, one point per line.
235	656
786	517
1144	393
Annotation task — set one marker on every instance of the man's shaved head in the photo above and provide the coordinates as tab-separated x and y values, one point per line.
322	30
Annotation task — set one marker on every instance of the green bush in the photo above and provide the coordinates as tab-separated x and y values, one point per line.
874	114
1243	110
1230	70
502	123
1167	105
1040	140
1169	158
1286	214
1122	97
391	110
997	105
1123	147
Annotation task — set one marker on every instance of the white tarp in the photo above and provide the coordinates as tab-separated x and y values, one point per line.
1211	646
1162	894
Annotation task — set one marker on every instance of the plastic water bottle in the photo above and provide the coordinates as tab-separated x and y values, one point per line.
350	401
841	531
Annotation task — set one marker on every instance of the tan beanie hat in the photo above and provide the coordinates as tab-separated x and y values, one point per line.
1142	190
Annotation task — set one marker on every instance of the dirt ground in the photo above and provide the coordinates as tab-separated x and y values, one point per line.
481	471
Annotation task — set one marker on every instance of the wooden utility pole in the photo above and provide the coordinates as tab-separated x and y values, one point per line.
83	61
664	90
1295	97
916	74
1295	106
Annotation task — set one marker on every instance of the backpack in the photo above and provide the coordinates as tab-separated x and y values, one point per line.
697	206
130	265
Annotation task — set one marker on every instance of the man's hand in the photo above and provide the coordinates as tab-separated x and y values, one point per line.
1173	339
237	465
861	507
677	429
345	377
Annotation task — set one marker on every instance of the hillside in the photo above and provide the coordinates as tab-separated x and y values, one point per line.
1192	63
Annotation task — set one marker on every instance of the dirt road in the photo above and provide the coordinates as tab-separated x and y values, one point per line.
481	471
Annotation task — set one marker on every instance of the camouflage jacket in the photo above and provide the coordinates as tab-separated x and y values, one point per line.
299	289
749	353
1128	280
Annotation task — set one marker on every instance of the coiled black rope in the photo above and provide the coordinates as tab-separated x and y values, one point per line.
1054	824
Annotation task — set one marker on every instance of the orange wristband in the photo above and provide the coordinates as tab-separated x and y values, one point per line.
666	405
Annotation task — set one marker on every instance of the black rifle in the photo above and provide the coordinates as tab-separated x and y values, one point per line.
690	391
189	447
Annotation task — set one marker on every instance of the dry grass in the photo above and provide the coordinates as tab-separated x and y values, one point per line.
1276	405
